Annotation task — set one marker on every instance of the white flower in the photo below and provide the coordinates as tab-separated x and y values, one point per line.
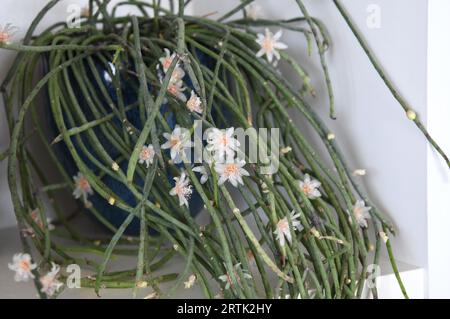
227	278
177	75
283	230
231	171
153	295
6	33
254	11
194	104
359	172
222	143
310	187
166	60
82	187
146	155
177	141
35	216
23	267
176	89
182	189
202	170
190	282
269	45
49	283
361	213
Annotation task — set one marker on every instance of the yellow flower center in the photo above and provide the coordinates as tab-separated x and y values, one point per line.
25	265
83	184
146	154
231	169
283	225
268	44
306	188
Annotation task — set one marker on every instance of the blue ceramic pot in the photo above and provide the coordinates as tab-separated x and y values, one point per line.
113	214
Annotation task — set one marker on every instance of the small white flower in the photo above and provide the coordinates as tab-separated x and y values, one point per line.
283	230
222	143
146	155
176	89
82	187
270	45
361	213
182	189
177	75
232	172
177	141
35	216
6	33
310	187
359	172
227	278
202	170
50	283
254	11
178	72
23	267
190	282
166	60
194	104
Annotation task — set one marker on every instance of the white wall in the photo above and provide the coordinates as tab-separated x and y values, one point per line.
438	122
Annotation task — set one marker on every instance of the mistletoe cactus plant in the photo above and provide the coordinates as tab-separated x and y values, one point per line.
124	97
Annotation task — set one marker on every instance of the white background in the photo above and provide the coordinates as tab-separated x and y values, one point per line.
404	176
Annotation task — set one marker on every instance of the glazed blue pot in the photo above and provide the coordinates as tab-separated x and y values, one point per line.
113	214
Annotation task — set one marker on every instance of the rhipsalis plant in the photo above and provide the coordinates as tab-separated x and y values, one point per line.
124	99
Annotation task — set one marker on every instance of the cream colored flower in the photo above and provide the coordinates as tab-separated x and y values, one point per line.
178	72
361	213
190	282
270	45
82	187
177	141
35	216
166	60
182	189
359	172
226	278
310	187
177	75
23	267
50	283
146	155
6	33
254	11
231	171
283	231
194	104
176	89
222	143
202	170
